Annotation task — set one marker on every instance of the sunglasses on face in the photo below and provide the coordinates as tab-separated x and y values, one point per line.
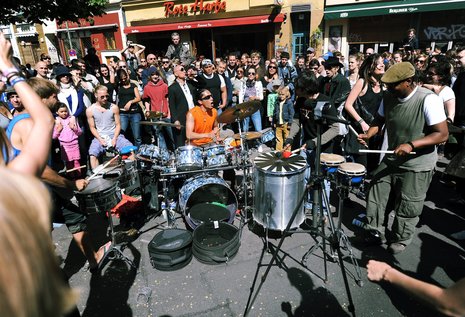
47	57
104	97
123	66
420	61
251	74
274	67
207	97
143	61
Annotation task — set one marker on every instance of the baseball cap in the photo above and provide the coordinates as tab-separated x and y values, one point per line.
206	62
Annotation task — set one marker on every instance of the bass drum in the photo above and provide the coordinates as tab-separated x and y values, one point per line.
206	189
279	185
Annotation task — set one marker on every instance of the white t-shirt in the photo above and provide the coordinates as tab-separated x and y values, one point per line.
433	108
446	94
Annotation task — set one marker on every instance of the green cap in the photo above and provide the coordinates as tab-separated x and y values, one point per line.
398	72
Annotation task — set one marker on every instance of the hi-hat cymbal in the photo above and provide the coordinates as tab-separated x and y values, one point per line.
161	123
247	135
239	111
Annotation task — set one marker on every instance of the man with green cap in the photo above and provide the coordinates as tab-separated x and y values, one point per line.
415	123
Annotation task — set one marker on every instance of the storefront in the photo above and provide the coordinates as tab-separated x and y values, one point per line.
383	25
103	33
214	28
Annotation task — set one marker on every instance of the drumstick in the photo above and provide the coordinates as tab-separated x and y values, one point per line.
381	151
103	167
355	132
74	169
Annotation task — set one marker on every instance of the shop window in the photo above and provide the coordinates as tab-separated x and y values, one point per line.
299	42
110	42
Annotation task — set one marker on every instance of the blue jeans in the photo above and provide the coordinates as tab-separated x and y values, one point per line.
256	119
134	118
309	156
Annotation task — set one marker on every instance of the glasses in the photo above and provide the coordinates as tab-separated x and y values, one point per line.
123	66
240	71
274	67
250	74
46	57
143	61
207	97
151	58
104	97
314	68
420	61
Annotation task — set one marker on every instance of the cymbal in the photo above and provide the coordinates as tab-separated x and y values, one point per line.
248	135
239	111
161	123
155	114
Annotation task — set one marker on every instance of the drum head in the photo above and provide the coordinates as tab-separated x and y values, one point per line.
97	185
209	212
352	169
330	159
272	163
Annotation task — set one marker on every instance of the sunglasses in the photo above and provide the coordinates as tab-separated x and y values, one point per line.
421	61
165	62
48	57
314	68
143	61
123	66
240	71
272	67
104	97
207	97
250	73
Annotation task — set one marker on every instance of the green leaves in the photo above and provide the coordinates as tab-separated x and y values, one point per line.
62	10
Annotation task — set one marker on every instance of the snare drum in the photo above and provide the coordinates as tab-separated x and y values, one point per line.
351	174
99	196
330	163
215	156
189	158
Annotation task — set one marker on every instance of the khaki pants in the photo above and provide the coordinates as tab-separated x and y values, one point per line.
281	132
409	191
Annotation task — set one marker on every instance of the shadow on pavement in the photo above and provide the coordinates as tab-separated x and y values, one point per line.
315	301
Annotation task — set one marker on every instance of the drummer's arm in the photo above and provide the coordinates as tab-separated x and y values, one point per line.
330	134
117	121
52	178
295	127
190	134
91	122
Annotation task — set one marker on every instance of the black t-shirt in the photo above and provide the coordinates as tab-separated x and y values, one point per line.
124	96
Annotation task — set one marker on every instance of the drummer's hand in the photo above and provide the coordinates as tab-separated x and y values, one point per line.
362	139
178	124
102	142
80	184
113	142
287	147
403	149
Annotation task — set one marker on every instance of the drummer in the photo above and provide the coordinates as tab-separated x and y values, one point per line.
201	121
202	126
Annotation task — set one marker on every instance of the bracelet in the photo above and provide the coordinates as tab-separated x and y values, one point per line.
12	74
16	80
7	71
449	120
411	144
360	121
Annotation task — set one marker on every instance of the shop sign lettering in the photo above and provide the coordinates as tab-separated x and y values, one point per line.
454	32
198	6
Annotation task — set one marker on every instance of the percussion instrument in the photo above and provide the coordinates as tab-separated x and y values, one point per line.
267	135
350	174
100	195
150	155
239	112
330	163
279	184
215	156
161	123
189	158
247	135
128	177
206	189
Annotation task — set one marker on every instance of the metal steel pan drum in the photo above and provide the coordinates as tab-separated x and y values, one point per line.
330	163
189	158
129	176
206	189
279	185
351	174
99	196
215	156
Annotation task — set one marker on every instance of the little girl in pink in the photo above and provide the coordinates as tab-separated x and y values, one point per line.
67	132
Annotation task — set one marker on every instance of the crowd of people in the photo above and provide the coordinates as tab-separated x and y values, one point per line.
401	101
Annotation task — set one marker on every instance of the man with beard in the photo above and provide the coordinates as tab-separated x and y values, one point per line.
415	122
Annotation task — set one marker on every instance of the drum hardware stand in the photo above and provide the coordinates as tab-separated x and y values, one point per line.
317	209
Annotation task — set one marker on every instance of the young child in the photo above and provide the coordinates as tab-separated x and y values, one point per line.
272	88
282	116
67	132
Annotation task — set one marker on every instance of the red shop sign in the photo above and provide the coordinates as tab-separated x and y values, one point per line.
198	6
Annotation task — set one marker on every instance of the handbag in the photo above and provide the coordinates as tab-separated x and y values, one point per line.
362	111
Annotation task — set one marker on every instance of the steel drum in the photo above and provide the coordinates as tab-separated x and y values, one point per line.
279	185
99	196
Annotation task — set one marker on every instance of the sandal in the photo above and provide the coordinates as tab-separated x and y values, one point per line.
106	248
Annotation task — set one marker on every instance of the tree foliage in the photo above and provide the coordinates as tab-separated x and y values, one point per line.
37	10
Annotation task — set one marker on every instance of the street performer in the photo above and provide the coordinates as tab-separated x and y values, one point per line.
415	122
201	121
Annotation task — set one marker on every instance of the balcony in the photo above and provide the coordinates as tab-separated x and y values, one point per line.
26	30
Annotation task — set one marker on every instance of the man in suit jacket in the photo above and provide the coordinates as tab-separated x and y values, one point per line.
181	100
335	85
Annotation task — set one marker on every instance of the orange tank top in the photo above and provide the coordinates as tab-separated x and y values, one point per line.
203	123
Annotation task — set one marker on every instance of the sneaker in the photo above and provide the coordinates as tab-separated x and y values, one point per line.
396	247
369	238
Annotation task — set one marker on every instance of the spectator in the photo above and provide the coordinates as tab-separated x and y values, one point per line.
179	50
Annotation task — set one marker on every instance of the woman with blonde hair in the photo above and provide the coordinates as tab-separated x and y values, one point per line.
30	279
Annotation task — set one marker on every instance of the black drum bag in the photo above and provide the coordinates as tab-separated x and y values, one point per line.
215	242
171	249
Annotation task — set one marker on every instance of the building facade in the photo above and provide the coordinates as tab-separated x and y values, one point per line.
218	27
382	25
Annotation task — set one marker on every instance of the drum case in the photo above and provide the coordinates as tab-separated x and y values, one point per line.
171	249
215	242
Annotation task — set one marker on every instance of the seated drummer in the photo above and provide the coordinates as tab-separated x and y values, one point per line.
105	125
202	126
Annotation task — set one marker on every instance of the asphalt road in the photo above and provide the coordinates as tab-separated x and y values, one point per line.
292	288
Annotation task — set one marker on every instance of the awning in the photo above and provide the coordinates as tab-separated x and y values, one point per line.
391	7
259	19
83	28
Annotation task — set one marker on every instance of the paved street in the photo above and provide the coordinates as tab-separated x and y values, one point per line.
291	289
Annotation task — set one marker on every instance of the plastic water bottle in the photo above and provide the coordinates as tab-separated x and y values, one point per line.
360	221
